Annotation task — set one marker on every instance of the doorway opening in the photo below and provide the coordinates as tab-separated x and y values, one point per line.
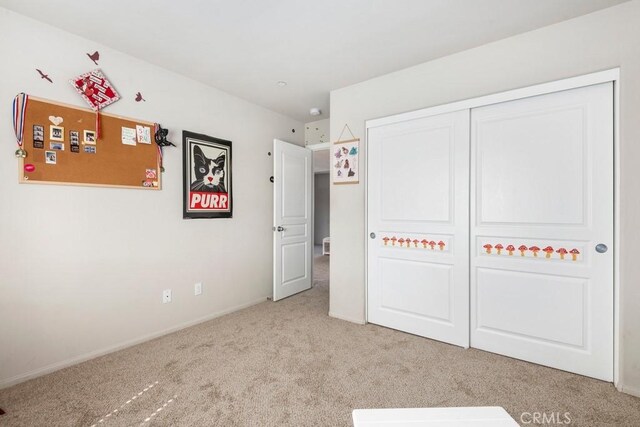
321	233
316	136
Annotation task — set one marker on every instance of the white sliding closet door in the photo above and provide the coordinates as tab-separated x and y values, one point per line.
541	223
418	220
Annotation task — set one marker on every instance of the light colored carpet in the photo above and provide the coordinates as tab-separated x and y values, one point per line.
321	272
289	364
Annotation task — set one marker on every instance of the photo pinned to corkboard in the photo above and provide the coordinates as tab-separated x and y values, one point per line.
345	159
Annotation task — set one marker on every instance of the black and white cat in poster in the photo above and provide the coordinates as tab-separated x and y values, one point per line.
207	176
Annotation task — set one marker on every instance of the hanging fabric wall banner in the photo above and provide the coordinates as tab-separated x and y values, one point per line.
345	165
19	113
97	91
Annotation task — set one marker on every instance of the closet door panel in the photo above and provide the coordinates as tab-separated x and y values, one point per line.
542	201
418	212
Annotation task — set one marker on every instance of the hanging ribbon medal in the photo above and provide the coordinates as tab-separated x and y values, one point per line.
97	122
158	146
161	140
19	114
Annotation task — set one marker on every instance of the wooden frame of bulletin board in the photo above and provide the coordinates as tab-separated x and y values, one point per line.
105	162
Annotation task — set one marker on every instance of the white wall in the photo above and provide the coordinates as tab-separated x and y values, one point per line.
594	42
82	269
316	132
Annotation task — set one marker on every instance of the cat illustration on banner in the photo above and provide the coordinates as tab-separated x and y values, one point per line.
209	172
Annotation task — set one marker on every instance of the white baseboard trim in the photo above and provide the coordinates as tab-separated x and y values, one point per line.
348	319
92	355
633	391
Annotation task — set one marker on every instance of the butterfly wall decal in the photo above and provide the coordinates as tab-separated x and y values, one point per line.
95	56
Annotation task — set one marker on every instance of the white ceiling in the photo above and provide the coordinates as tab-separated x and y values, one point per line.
244	47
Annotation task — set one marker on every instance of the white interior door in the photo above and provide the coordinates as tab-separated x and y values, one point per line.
292	219
418	214
542	200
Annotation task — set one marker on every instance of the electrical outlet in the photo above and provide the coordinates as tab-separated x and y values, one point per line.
197	288
166	296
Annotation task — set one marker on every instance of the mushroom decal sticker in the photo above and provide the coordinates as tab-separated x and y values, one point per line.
522	249
511	248
562	252
574	254
535	250
548	250
415	242
432	244
408	242
424	243
401	241
441	245
385	239
393	241
488	248
499	248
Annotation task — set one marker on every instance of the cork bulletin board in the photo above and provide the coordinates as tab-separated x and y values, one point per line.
62	148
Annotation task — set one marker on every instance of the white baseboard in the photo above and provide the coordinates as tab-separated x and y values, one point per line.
633	391
348	319
92	355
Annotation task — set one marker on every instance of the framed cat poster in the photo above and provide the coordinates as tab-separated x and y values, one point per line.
207	176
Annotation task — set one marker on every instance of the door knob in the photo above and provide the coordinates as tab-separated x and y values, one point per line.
372	235
601	248
280	228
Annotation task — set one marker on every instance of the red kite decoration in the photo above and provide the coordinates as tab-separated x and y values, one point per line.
97	91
